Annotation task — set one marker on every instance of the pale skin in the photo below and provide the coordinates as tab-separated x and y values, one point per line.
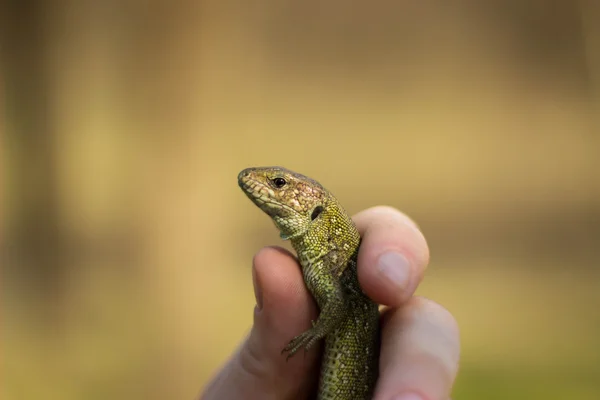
420	340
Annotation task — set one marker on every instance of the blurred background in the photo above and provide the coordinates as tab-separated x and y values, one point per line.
127	244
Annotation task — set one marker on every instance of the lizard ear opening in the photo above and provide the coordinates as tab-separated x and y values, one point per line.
316	212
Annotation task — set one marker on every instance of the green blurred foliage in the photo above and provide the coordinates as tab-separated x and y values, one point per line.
127	244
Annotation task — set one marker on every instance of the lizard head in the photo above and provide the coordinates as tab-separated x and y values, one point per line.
290	199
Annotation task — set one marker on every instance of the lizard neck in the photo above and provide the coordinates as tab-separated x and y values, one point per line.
332	233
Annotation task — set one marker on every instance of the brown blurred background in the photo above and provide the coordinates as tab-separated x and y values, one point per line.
127	247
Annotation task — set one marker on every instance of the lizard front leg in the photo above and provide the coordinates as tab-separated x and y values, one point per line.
330	297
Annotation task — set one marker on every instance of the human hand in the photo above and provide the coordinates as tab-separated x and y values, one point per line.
420	341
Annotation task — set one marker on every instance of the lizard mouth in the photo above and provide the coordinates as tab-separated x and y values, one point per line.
261	195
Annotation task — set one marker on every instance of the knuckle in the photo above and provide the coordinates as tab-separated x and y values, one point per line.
250	361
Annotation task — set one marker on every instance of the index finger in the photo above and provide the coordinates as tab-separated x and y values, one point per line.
393	255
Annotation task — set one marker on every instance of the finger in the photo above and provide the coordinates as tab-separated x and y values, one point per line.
393	255
419	352
284	310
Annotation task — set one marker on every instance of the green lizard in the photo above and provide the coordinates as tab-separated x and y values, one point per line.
326	242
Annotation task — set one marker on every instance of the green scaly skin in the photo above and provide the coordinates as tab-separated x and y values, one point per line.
326	242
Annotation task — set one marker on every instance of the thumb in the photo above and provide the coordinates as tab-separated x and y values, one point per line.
284	310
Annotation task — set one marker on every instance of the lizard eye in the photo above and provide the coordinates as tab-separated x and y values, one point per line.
279	182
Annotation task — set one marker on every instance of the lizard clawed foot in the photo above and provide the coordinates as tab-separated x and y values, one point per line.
306	339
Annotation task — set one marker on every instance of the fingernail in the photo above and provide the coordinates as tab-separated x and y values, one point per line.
257	290
396	268
407	396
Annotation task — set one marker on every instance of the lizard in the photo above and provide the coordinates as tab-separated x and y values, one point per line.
326	242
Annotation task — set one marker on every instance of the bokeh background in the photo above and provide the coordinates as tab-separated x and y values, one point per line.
127	244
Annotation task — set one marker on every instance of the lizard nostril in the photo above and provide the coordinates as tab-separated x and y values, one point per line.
243	174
